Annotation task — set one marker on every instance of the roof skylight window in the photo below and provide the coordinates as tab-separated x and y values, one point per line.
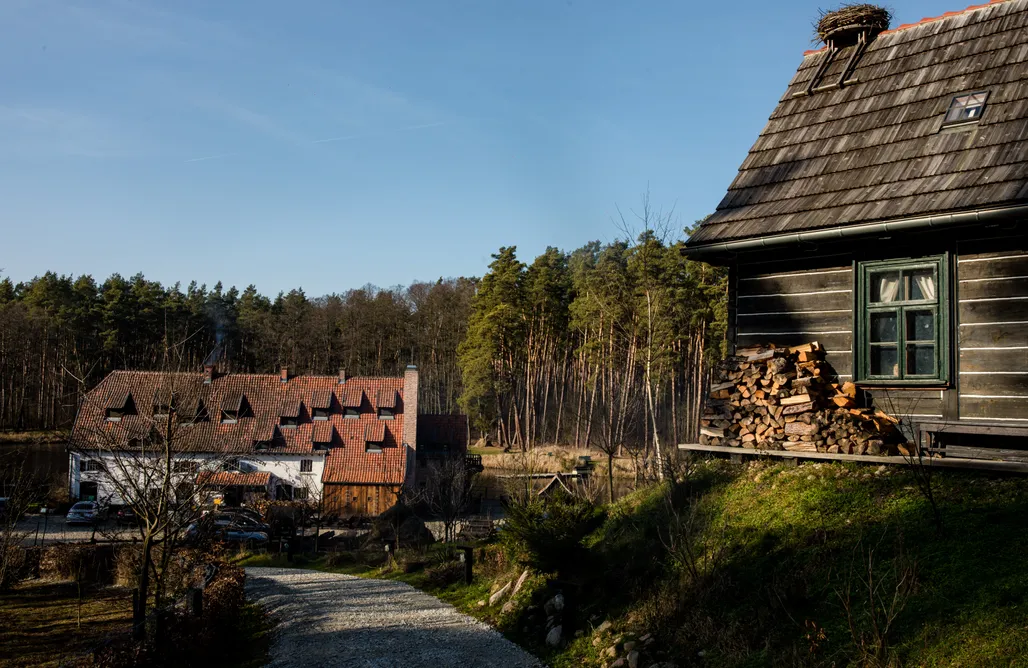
966	109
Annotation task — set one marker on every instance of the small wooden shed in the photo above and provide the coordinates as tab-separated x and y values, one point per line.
883	212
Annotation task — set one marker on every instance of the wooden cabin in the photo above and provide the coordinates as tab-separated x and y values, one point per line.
883	212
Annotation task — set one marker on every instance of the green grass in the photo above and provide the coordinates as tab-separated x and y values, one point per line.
792	540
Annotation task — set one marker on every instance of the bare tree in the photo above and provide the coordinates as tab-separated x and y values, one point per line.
447	491
18	489
150	467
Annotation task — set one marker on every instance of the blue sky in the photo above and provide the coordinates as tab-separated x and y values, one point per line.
330	144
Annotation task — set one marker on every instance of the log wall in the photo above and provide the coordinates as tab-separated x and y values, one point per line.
796	307
992	324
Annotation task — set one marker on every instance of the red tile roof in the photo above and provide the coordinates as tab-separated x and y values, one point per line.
257	430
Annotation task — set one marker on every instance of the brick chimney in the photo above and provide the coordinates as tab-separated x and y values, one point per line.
410	406
208	373
342	376
284	374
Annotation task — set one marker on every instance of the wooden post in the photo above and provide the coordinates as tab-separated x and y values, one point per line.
196	602
138	620
467	556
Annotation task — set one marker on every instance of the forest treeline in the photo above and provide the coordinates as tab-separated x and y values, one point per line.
608	343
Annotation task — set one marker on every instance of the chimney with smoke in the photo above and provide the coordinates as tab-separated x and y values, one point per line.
209	372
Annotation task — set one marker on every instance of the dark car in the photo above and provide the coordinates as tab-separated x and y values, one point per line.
248	513
127	517
240	519
226	533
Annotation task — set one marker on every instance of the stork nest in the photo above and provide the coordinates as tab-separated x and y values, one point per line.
851	19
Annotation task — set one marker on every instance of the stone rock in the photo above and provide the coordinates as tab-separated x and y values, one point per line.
554	637
620	663
481	604
508	607
633	659
499	594
612	651
630	645
646	637
596	641
604	627
558	602
521	581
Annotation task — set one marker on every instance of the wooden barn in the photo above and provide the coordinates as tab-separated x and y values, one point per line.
883	212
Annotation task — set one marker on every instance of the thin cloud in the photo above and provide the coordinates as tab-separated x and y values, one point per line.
378	133
210	157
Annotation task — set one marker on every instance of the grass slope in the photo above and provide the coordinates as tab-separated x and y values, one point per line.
775	551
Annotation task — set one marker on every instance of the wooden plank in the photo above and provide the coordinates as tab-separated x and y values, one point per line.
788	303
900	403
994	359
829	341
812	281
991	265
841	362
941	462
968	452
993	408
983	427
992	383
796	399
1015	310
996	287
793	322
991	335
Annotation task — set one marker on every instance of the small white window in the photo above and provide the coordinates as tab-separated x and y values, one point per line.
91	466
966	109
306	465
352	413
385	414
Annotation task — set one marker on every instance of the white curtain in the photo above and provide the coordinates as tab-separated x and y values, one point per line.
888	287
926	284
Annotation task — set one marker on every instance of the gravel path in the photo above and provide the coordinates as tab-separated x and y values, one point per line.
328	619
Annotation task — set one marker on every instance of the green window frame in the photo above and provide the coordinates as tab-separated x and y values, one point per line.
902	320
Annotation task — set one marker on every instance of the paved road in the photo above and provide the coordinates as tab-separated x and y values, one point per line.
327	619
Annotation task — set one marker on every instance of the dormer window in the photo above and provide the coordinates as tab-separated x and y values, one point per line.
233	407
966	109
120	406
374	437
191	413
321	406
289	414
351	399
386	402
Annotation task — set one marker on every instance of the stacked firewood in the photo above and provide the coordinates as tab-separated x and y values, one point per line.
791	399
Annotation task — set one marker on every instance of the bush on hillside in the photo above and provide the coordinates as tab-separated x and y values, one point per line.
546	534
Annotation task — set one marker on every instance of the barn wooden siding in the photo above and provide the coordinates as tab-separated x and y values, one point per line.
992	309
358	500
794	307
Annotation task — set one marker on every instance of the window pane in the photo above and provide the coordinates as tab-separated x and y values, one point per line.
883	327
921	360
920	326
885	287
922	284
884	361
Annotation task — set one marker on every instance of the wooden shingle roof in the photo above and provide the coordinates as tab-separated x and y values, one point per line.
873	150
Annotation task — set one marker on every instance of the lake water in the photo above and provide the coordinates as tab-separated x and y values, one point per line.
49	459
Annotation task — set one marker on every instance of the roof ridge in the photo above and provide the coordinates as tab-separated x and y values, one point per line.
927	19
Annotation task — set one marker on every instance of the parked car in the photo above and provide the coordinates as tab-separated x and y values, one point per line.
127	517
243	521
86	512
249	513
227	533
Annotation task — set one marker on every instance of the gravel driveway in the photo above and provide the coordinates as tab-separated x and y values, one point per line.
328	619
